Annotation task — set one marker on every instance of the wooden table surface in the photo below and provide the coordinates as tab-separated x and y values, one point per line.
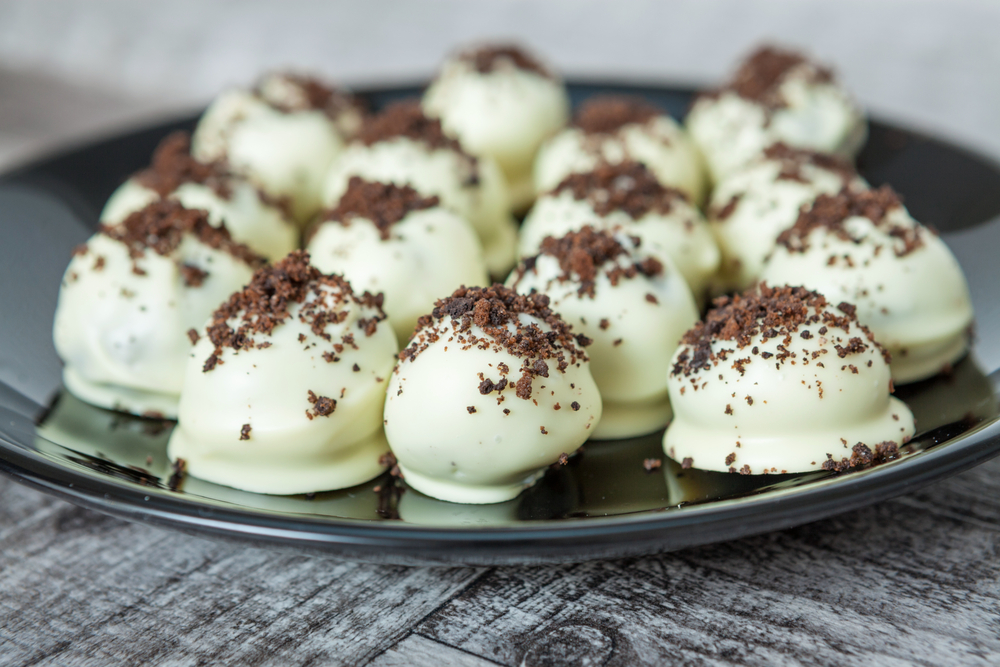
915	580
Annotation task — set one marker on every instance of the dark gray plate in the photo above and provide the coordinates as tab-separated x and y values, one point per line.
603	504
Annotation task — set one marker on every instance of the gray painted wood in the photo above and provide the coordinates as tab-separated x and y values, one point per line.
914	580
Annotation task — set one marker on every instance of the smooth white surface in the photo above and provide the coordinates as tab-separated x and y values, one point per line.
630	357
428	255
917	305
506	113
661	144
269	389
682	232
799	413
483	456
765	206
261	227
116	329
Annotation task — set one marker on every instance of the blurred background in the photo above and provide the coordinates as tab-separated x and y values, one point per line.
74	70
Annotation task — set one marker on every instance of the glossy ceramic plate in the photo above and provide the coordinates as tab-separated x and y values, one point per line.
604	503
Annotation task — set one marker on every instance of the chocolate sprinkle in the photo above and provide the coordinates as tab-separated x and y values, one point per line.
581	255
263	304
768	312
760	76
383	204
173	166
161	227
495	311
830	211
487	57
314	95
624	186
606	114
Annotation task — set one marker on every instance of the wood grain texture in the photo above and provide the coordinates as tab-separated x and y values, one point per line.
912	581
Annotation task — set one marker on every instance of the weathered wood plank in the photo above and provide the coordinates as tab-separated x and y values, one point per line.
914	580
75	585
419	651
910	581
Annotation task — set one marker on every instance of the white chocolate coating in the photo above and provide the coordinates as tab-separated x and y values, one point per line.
634	337
800	412
682	232
506	113
249	220
483	456
123	336
917	305
661	144
285	153
765	206
286	451
429	253
731	131
441	172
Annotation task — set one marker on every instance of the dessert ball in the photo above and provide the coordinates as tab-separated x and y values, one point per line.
617	128
627	196
390	239
775	96
493	388
502	102
778	380
626	296
404	147
130	297
251	216
282	135
863	247
754	204
283	391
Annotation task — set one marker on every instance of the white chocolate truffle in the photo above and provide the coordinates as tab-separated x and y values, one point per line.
251	217
283	392
389	239
404	147
616	128
779	381
627	196
863	247
629	299
754	204
500	101
129	298
493	388
775	96
283	135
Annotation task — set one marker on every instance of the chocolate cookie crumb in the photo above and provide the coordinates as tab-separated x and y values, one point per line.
730	458
263	304
575	406
161	226
486	58
193	276
384	204
760	76
542	429
625	186
605	114
471	409
687	462
172	166
495	310
831	211
650	465
323	406
245	432
178	474
193	336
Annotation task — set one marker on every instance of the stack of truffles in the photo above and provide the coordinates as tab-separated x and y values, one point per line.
317	292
